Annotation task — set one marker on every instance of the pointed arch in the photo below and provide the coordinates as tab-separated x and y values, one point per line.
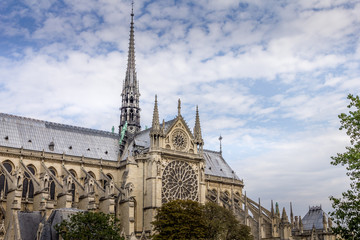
28	185
9	166
52	186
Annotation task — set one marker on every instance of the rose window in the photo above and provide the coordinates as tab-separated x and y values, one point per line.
179	181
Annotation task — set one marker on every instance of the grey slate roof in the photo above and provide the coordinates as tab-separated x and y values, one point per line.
217	166
32	134
29	224
314	217
56	216
37	135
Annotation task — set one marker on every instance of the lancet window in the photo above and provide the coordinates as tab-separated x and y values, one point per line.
28	186
73	188
52	184
3	181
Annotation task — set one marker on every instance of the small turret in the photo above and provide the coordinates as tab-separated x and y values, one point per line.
284	217
272	209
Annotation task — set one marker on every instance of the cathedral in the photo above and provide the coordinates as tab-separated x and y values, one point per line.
50	170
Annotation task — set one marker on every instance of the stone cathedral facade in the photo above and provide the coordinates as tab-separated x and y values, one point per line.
49	170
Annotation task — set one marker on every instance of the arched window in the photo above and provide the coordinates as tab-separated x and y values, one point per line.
73	173
28	186
105	181
72	190
92	174
52	184
131	115
3	181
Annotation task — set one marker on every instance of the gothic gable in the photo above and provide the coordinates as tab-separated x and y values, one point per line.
178	137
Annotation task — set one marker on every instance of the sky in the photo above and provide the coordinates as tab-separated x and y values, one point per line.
269	76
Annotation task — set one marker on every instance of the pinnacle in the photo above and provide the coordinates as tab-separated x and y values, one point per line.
197	128
155	121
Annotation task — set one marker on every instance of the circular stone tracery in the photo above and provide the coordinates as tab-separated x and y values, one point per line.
179	139
179	181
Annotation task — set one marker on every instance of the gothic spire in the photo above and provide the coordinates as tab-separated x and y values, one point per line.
197	128
155	121
130	110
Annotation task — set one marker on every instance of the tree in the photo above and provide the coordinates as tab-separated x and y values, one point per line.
179	219
186	219
222	224
90	226
346	212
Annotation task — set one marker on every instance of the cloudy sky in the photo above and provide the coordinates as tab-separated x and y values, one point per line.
269	76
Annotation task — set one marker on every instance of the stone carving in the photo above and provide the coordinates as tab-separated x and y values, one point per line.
179	139
179	182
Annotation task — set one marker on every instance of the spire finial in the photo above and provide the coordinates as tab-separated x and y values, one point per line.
132	11
179	107
220	138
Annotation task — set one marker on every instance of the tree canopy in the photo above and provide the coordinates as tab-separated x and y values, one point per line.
90	226
221	224
186	219
346	214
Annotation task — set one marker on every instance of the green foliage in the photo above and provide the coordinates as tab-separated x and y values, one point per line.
346	212
90	226
179	219
186	219
222	224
